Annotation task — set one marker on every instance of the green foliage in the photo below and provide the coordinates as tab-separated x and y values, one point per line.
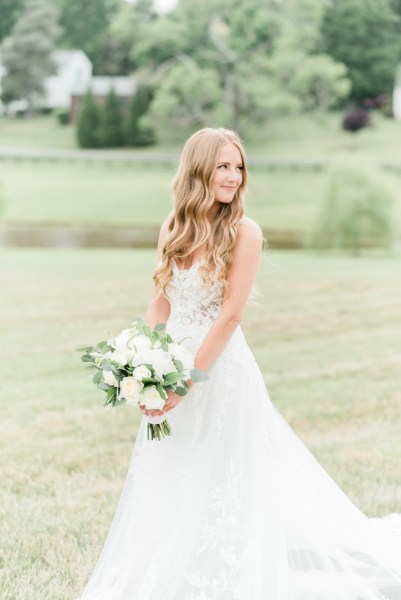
187	95
357	209
2	202
111	133
27	52
364	35
137	133
63	116
9	13
219	62
315	82
320	82
88	123
85	25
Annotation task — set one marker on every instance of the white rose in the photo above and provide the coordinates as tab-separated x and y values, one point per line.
151	399
140	342
120	357
141	372
181	353
157	344
109	378
142	357
130	389
121	341
163	364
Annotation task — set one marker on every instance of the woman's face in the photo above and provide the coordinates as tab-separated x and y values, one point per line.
228	174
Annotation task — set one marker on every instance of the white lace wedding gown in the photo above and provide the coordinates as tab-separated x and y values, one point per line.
233	506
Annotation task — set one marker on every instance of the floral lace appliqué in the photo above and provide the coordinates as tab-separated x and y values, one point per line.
193	304
222	539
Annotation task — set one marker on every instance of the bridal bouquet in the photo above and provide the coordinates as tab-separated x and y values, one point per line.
140	366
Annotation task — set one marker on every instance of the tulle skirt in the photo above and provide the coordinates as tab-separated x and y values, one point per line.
233	506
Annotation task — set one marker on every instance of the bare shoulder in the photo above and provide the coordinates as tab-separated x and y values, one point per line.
164	231
248	229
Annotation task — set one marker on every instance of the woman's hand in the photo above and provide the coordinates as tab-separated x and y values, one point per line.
172	400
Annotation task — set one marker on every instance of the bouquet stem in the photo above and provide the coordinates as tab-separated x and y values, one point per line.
156	432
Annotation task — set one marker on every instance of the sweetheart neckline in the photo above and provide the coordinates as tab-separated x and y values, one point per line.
190	268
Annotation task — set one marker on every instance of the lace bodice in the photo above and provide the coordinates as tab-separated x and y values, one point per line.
194	306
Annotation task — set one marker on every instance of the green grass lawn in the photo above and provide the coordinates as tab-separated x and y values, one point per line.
38	132
93	195
82	194
325	331
97	195
290	136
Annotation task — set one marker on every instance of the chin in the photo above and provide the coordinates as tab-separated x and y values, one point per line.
225	200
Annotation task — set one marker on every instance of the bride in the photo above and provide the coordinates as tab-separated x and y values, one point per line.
232	506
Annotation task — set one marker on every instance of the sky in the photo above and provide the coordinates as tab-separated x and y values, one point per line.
161	6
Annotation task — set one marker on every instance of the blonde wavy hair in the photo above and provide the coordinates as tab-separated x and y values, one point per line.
188	225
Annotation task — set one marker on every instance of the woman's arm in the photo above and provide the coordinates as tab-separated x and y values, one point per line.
159	307
246	259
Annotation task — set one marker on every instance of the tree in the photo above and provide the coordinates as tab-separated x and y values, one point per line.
27	53
9	13
139	134
315	80
123	33
364	35
219	62
88	123
85	26
189	96
357	209
111	133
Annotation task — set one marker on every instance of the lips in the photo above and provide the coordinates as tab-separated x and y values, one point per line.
228	187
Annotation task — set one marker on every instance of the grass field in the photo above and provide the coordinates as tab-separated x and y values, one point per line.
81	194
325	331
73	194
119	195
290	136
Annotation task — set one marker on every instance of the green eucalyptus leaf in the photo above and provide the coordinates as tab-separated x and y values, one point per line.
97	378
173	377
181	391
104	386
197	375
178	364
86	358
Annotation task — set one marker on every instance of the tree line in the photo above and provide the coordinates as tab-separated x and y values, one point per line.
220	61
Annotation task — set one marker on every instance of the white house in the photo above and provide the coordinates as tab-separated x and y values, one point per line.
100	86
73	68
397	95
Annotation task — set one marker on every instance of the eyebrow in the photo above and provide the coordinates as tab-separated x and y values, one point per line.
224	162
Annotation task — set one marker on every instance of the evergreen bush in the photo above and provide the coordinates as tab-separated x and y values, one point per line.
139	134
111	133
88	122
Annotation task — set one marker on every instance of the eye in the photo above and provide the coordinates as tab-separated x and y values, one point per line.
222	167
240	167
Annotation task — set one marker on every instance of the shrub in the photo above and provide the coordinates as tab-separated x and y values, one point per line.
137	133
111	123
62	116
88	123
357	118
357	210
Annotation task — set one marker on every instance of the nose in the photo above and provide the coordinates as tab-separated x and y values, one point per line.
233	175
